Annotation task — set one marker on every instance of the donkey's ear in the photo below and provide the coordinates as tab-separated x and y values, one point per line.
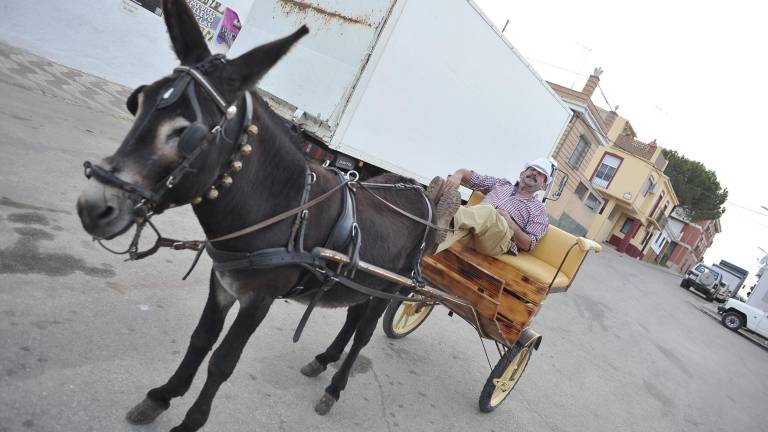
247	69
186	37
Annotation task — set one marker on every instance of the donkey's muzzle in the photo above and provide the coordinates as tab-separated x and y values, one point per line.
105	212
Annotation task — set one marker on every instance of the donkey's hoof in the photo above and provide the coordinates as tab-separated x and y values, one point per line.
312	369
144	413
323	406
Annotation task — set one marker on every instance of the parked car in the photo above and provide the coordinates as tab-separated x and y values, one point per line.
737	315
703	279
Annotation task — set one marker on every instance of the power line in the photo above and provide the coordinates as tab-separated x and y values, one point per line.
746	208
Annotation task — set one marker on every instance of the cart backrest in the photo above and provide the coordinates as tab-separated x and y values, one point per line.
550	251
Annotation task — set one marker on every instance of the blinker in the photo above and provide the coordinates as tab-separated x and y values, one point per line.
192	137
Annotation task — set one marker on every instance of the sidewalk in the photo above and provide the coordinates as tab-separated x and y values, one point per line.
23	69
711	311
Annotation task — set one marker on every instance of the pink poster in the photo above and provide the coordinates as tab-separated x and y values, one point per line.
230	27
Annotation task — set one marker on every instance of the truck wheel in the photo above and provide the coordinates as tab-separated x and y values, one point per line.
504	376
732	321
402	318
684	283
710	297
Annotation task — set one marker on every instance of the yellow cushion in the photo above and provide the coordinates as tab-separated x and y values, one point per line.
542	263
535	269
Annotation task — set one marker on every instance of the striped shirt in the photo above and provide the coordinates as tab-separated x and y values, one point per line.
528	212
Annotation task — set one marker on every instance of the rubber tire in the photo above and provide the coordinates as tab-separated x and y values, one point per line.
684	283
726	320
709	297
389	319
487	393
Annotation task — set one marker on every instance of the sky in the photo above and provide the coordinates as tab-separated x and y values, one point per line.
689	74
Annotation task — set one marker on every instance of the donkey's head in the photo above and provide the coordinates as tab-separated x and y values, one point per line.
186	136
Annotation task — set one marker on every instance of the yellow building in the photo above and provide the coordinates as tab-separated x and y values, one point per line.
638	196
583	137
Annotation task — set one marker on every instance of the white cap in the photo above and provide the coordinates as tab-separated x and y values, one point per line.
544	166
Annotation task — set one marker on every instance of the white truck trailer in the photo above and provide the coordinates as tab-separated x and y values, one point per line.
415	87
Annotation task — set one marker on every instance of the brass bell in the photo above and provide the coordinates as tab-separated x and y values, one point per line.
253	130
212	194
236	166
246	149
226	180
197	200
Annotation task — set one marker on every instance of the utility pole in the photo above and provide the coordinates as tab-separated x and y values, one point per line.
505	27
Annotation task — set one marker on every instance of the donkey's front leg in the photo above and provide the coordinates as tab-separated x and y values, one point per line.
365	327
205	335
224	359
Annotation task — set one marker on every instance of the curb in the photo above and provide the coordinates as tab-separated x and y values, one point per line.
23	69
755	339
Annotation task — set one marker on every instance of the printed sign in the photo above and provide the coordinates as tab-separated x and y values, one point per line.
150	5
220	24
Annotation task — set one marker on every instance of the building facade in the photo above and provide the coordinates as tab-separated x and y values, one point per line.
638	196
583	137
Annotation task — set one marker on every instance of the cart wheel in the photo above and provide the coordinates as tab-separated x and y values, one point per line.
504	376
400	319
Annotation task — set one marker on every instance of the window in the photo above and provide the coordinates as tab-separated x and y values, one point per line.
606	170
613	213
649	186
579	152
593	202
581	190
627	225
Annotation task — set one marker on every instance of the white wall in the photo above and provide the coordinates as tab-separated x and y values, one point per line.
112	39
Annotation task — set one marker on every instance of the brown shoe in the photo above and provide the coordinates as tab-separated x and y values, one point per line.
433	190
446	208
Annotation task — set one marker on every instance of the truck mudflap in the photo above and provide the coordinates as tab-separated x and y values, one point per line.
529	337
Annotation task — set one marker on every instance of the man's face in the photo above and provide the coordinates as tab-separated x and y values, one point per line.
532	179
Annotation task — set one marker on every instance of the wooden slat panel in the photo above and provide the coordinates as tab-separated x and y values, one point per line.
485	282
516	311
452	282
513	279
509	329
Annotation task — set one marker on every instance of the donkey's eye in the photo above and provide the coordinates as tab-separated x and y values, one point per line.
176	133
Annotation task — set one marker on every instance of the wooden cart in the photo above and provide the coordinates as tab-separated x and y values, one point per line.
499	296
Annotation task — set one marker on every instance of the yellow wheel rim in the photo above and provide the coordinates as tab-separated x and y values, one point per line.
409	316
506	382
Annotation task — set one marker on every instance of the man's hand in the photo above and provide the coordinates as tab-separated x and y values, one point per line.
520	237
454	180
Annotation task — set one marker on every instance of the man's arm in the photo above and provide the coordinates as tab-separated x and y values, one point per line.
521	238
460	177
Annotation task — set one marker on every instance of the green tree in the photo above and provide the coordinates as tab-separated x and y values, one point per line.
697	188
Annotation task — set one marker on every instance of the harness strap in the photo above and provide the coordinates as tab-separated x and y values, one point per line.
279	217
365	187
265	258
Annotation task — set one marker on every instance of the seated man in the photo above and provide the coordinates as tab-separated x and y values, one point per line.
509	219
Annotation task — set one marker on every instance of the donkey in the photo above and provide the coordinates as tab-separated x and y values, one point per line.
180	144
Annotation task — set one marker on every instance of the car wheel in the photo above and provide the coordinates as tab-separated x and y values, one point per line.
732	321
710	297
684	283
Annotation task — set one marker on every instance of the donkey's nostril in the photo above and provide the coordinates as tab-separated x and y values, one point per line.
106	214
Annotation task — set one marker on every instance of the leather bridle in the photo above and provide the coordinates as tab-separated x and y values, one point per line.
193	141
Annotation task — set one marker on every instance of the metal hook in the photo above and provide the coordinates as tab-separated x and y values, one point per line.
352	175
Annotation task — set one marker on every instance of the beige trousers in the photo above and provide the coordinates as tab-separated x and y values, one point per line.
482	228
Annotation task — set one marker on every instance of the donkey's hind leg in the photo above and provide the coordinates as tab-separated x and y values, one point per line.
224	359
365	327
207	331
334	351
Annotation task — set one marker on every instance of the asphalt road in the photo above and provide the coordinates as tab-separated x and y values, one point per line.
84	335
